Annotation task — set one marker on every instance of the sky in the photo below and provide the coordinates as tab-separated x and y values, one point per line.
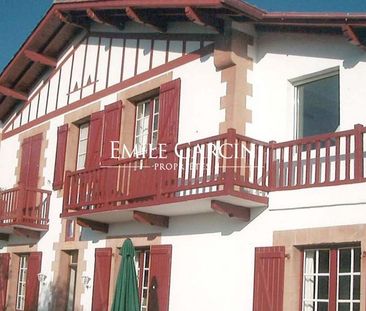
20	17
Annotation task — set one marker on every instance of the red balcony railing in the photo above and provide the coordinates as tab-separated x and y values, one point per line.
242	167
201	169
25	207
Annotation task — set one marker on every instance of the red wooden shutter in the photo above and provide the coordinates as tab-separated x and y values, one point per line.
112	128
169	113
32	285
30	161
25	158
58	177
4	277
102	272
160	266
94	140
269	278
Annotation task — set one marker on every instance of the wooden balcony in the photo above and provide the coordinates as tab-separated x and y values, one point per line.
24	211
238	176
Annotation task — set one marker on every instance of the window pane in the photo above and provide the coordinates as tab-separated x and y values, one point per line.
310	262
356	307
344	287
318	106
322	287
322	306
147	109
356	287
323	261
344	306
84	130
345	260
309	306
156	108
309	288
357	259
140	111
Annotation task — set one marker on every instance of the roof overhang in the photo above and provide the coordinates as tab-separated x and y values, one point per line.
66	19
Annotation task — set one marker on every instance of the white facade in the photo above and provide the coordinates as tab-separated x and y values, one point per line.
213	255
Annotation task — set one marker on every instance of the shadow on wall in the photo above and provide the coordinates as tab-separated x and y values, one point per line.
309	45
179	226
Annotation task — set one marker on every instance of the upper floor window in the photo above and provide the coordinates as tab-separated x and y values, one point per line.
331	277
146	125
82	145
317	103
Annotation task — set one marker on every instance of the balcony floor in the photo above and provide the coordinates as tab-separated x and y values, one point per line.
180	207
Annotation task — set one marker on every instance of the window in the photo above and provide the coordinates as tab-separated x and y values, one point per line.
146	130
70	230
82	145
142	262
73	265
22	282
317	103
321	266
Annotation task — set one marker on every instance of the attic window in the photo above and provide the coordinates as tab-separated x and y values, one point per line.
318	104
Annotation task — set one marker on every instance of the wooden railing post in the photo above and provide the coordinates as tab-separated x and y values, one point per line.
230	160
272	166
22	197
358	152
66	195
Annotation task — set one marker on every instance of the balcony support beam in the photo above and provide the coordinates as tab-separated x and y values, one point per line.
93	225
4	237
13	93
151	219
231	210
31	234
41	58
160	26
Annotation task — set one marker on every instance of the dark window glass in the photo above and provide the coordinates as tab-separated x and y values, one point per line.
318	106
345	260
323	261
344	287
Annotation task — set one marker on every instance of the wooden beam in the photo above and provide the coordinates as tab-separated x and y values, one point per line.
4	237
205	21
13	93
151	219
351	36
67	19
94	16
231	210
27	233
160	26
40	58
93	225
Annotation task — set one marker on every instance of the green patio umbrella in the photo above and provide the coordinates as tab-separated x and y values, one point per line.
126	297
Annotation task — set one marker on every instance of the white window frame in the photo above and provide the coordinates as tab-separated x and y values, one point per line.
144	304
147	131
296	82
80	141
22	282
316	274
